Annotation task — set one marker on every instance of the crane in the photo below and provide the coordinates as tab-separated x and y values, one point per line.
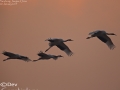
60	44
103	36
44	56
15	56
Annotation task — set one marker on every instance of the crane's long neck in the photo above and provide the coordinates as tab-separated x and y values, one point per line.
59	56
65	40
110	33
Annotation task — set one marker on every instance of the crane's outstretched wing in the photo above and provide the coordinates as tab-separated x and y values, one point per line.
97	31
24	58
107	40
54	39
42	54
9	54
15	56
65	48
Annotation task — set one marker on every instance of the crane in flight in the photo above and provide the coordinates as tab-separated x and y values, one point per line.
15	56
103	36
60	44
44	56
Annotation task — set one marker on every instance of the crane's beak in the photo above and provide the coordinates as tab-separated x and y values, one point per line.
88	37
61	56
3	52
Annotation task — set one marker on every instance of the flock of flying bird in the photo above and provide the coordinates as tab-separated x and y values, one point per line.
100	34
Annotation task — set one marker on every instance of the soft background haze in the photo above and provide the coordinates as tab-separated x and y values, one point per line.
24	27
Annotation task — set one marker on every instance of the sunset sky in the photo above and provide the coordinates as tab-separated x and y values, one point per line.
25	27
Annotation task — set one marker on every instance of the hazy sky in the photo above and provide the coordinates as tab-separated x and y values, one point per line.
25	26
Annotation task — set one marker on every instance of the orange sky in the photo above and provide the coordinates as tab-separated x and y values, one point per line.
93	66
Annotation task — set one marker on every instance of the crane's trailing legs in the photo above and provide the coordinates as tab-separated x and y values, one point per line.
37	60
6	59
111	34
47	49
88	37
